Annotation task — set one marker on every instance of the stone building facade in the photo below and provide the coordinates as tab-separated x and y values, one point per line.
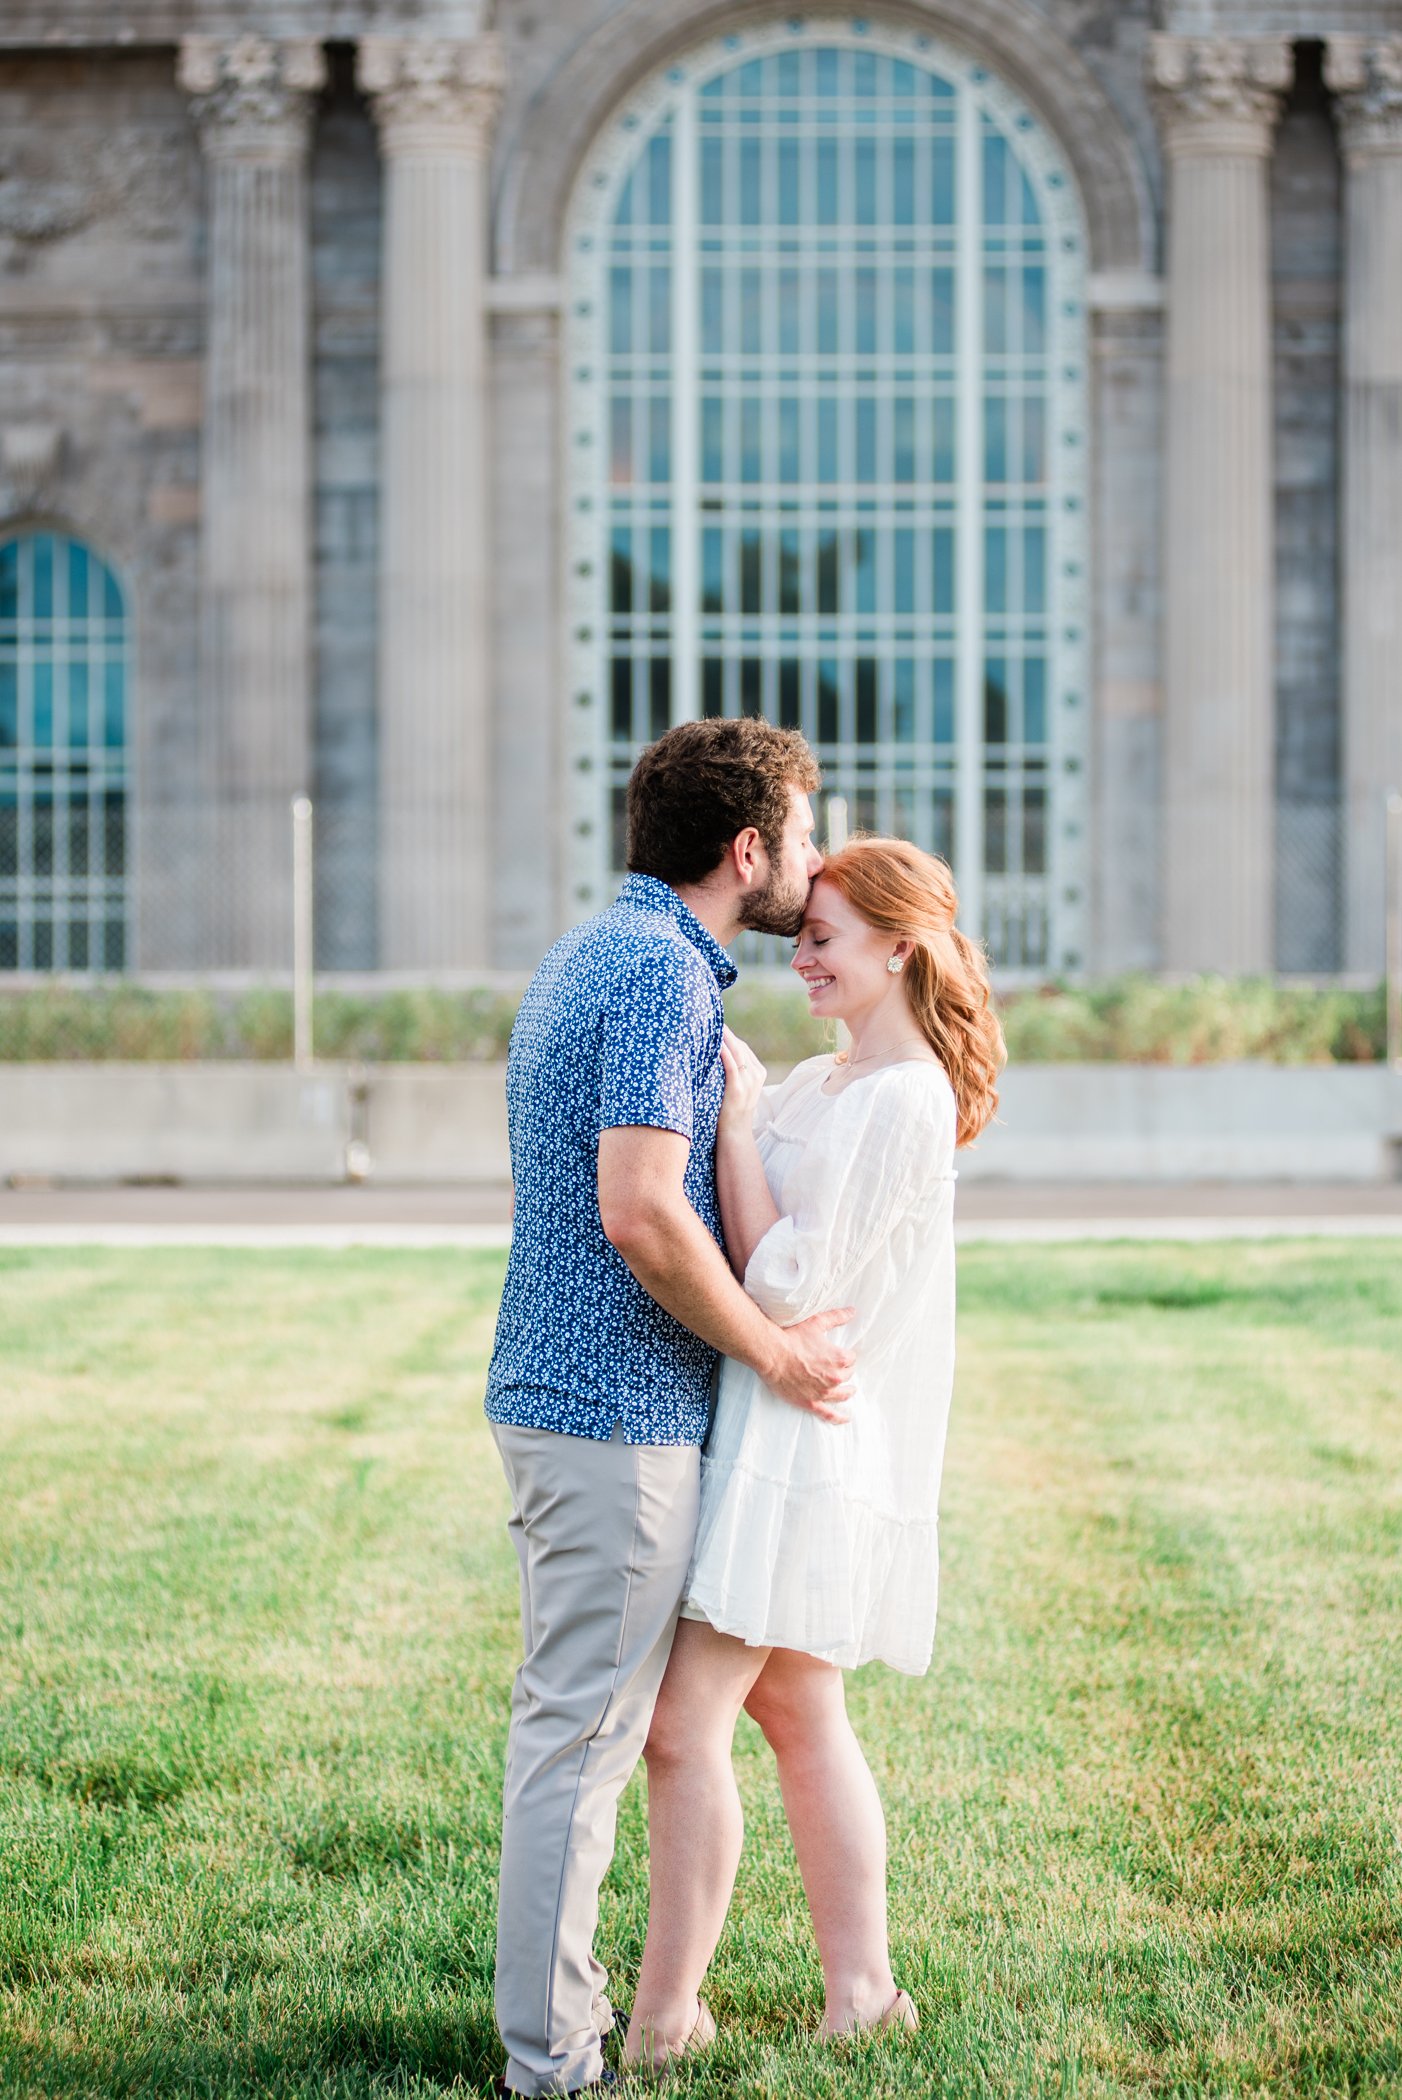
419	404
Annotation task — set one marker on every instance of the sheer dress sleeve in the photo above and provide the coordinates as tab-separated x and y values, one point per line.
881	1155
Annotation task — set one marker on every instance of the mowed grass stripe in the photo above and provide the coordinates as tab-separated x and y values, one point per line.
258	1622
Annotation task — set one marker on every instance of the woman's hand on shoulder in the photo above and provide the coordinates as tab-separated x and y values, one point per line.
744	1082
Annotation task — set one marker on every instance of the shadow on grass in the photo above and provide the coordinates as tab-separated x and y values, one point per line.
342	2059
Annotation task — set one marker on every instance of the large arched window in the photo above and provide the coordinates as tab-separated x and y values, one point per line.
827	386
63	782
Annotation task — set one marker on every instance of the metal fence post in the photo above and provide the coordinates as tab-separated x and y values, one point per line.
302	933
1392	981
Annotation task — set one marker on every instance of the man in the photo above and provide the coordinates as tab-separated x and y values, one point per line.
617	1299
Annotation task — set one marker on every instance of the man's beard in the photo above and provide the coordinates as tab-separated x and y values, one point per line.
776	908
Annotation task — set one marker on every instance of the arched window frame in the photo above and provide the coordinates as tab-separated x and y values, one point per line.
64	874
1062	893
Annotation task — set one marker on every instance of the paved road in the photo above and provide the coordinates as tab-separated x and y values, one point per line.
378	1216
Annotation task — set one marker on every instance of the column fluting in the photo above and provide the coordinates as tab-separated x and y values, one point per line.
1217	102
435	102
253	102
1366	78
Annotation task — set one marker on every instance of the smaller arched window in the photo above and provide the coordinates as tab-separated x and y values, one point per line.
63	757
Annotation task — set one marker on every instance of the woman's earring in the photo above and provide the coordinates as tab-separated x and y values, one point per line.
893	965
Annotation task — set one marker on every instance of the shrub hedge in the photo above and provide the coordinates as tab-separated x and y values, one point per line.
1134	1019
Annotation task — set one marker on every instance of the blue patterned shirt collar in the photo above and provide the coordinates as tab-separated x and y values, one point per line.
651	893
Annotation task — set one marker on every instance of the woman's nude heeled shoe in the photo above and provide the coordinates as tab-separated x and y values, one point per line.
660	2060
900	2013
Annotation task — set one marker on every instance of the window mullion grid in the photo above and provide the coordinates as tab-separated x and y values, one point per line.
969	845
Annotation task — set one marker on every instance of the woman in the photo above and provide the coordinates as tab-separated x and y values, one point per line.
816	1545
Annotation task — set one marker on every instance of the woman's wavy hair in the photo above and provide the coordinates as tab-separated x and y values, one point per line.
911	896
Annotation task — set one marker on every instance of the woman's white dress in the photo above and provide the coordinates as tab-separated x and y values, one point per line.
813	1535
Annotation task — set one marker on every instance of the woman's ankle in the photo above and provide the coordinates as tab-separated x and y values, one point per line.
857	2000
655	2028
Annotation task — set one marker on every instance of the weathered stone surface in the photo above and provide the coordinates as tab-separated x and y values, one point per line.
434	103
253	106
1217	101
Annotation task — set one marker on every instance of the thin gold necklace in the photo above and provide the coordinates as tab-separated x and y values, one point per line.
851	1061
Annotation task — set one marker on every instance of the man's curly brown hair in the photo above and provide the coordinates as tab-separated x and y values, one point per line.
702	783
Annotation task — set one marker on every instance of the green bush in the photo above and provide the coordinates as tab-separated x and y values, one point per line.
1202	1020
1134	1019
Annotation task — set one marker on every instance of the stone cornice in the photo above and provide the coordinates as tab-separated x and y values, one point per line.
1365	75
1219	94
252	97
433	95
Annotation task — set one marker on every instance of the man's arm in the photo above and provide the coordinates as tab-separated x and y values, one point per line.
646	1216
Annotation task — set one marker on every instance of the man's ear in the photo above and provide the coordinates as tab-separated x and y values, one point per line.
747	856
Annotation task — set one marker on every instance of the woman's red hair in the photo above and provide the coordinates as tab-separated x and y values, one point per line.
910	895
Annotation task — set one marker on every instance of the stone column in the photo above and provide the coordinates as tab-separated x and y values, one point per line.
1217	102
1366	76
435	102
253	106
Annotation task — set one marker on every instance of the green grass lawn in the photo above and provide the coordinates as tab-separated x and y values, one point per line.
257	1626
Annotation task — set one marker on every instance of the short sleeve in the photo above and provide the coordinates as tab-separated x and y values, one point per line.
882	1154
653	1046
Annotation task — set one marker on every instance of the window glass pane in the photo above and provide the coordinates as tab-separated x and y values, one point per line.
622	690
942	312
1034	700
826	159
942	181
712	569
620	309
865	181
660	695
903	700
621	571
944	700
995	702
790	572
660	569
659	301
866	700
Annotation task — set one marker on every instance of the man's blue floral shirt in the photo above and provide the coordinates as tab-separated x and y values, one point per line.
621	1025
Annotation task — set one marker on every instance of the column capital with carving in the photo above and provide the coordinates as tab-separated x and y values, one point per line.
252	97
1365	76
437	96
1219	94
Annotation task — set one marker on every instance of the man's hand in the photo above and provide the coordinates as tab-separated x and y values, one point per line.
813	1372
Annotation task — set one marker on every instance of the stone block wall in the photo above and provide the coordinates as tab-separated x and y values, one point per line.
101	339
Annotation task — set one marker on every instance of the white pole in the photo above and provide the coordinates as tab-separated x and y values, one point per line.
1392	980
302	933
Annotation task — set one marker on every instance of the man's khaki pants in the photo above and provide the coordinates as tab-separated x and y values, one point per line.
603	1532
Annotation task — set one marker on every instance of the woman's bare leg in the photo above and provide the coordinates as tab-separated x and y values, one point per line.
695	1829
839	1830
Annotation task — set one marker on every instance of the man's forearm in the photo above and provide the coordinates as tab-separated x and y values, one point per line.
678	1263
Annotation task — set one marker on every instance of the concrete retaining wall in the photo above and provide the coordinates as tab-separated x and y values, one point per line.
447	1123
